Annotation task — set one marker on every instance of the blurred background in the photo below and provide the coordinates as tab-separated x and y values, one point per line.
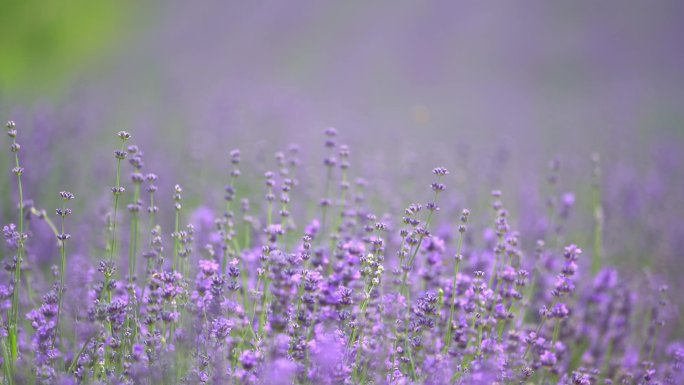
492	91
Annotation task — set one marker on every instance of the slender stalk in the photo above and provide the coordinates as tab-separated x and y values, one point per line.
422	236
14	313
362	307
324	208
133	260
353	338
404	282
654	342
539	327
606	360
62	268
265	280
269	219
117	193
176	240
495	266
468	358
395	329
133	247
149	263
447	338
556	333
264	306
117	190
343	204
78	355
374	271
177	264
7	369
229	212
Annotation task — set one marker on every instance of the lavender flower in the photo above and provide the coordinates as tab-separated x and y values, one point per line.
277	290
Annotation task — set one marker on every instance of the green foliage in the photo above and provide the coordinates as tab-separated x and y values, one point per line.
43	42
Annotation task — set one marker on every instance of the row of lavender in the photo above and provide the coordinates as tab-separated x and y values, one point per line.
247	294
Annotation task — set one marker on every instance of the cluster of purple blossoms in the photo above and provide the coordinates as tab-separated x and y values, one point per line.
280	290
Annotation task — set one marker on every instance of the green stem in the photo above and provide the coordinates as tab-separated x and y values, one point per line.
353	337
113	240
556	332
7	368
327	191
606	361
113	244
176	240
150	245
648	317
14	321
338	218
62	268
78	355
404	285
653	344
133	248
132	264
539	328
447	338
469	357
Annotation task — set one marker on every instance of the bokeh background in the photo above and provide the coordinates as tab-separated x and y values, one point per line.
491	90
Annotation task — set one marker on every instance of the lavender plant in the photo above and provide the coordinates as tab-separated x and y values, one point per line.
282	290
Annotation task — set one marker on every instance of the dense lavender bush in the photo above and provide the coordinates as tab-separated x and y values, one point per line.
286	282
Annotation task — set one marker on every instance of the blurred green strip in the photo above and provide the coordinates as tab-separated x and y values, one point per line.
43	42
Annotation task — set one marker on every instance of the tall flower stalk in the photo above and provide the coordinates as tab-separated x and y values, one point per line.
14	314
454	289
117	190
13	321
62	212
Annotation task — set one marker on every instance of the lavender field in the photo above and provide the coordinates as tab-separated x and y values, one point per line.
342	193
